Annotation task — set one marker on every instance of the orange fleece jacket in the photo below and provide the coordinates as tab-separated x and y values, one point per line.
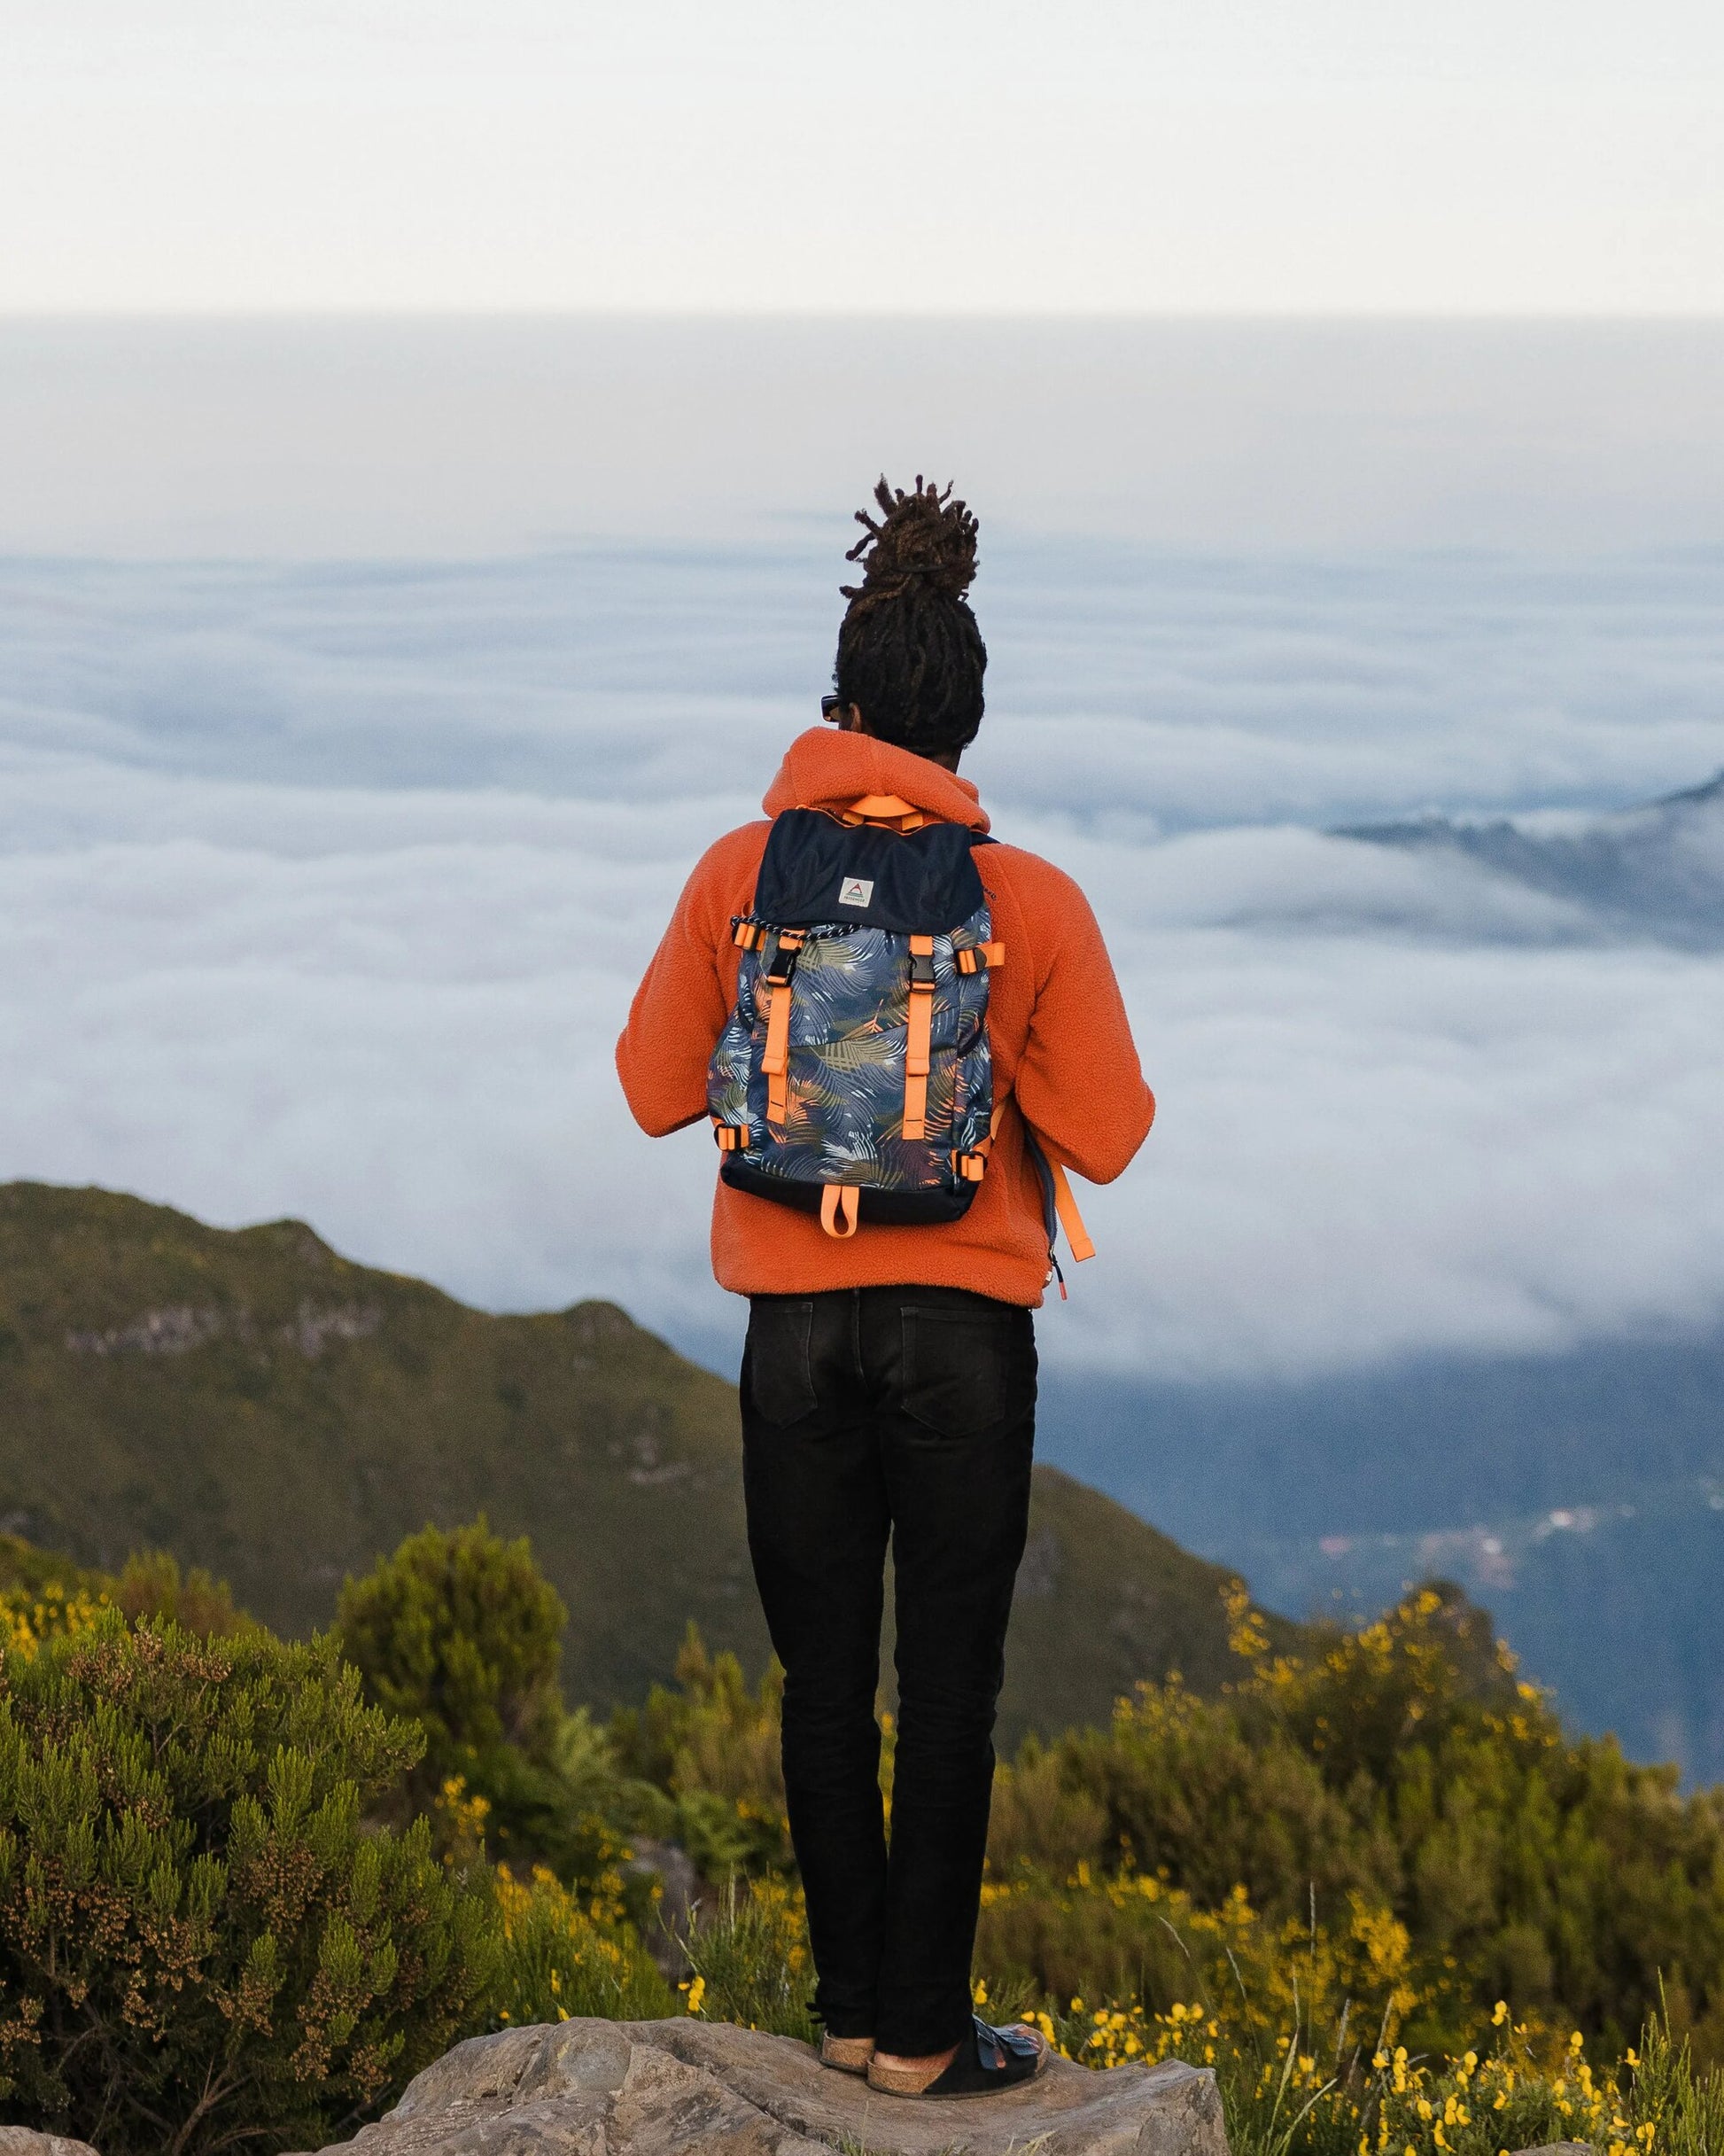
1061	1045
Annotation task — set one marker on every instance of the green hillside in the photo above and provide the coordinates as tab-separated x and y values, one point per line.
257	1405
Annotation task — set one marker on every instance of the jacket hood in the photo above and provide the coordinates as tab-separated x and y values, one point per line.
825	769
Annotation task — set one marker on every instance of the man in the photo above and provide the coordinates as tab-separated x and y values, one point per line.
888	1384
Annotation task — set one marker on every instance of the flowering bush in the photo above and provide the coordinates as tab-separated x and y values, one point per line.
29	1615
751	1961
1405	1775
200	1941
566	1953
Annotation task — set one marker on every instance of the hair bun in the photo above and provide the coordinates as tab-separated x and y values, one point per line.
923	538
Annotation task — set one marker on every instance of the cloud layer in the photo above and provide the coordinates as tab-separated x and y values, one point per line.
324	892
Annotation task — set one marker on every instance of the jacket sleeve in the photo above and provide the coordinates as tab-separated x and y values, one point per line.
1080	1085
681	1006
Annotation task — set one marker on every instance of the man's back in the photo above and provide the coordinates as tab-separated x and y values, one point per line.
1062	1051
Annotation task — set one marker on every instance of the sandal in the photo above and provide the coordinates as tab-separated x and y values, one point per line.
848	2054
993	2059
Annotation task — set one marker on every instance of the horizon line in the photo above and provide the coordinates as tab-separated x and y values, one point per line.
1098	317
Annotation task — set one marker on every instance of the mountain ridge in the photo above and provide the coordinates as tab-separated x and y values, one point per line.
1657	868
260	1405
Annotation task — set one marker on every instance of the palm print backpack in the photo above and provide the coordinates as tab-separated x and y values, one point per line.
853	1078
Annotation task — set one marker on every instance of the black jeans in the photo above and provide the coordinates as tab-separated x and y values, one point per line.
906	1413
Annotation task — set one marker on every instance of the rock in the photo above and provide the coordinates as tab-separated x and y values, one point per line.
681	1892
20	2141
589	2087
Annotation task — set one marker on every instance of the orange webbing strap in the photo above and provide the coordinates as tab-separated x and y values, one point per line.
1076	1235
839	1206
919	1038
775	1057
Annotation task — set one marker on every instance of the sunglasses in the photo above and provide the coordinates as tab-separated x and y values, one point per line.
831	705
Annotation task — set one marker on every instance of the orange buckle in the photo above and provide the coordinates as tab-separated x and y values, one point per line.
969	1167
746	935
730	1137
980	958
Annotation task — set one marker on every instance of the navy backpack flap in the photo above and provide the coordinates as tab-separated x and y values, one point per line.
819	871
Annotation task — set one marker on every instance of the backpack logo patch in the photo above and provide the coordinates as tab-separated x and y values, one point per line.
856	891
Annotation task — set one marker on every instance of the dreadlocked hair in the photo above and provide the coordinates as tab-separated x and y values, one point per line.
910	655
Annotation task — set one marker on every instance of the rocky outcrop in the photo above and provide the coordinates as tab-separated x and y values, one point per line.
588	2088
21	2141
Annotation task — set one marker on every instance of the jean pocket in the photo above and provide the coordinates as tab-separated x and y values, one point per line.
959	1367
779	1372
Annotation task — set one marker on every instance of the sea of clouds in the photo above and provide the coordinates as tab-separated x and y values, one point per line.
324	890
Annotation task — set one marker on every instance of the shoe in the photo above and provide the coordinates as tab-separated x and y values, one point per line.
991	2060
848	2054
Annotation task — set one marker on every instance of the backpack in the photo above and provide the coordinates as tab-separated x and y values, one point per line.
853	1078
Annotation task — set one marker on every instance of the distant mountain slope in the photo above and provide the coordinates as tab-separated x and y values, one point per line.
1580	1497
1658	868
255	1404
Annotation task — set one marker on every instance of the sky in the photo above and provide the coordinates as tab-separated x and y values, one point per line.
1545	157
333	438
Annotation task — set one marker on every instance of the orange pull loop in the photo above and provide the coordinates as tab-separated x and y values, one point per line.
919	1042
1076	1235
887	809
840	1210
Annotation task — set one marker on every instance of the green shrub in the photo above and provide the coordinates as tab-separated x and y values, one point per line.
711	1747
200	1945
461	1633
152	1585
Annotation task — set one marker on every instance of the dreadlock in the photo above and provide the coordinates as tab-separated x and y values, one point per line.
910	654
